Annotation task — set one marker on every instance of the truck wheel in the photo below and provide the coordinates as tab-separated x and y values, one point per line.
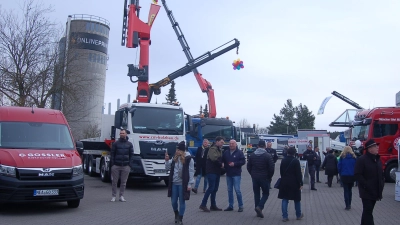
166	181
390	173
91	169
85	163
73	203
104	174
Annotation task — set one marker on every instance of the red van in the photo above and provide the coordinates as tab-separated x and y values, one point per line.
39	161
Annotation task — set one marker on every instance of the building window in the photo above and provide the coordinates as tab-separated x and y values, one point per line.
87	26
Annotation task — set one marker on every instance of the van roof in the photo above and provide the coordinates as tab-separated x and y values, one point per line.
27	114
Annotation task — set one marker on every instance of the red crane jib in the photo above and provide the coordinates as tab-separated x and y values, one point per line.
142	30
206	87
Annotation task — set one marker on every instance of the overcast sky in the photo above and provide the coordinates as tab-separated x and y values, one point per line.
299	50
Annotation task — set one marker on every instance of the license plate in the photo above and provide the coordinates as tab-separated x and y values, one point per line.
45	192
159	171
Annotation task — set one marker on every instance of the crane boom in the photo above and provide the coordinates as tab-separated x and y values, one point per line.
204	84
345	99
206	57
136	33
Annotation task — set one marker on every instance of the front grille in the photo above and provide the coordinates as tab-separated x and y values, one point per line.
38	174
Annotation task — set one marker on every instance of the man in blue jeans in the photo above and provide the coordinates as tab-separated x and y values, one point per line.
233	160
261	168
201	158
214	166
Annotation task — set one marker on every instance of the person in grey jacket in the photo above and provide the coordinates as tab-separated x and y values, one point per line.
121	156
181	168
261	168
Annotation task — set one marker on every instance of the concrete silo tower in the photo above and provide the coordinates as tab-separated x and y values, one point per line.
84	75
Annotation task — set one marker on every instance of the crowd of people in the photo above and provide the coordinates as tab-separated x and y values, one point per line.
365	170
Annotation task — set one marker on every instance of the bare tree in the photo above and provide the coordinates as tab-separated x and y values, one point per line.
36	65
244	123
92	130
30	65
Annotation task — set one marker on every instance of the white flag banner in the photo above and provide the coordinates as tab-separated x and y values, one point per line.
322	107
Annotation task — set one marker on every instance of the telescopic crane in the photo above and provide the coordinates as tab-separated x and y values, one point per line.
204	84
345	99
137	34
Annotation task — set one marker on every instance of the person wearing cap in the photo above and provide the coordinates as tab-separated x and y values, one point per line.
369	174
261	168
310	156
181	168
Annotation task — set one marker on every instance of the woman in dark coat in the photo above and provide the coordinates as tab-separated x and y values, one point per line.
330	166
291	184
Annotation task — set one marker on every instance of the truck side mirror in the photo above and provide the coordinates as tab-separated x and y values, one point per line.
191	130
79	147
118	119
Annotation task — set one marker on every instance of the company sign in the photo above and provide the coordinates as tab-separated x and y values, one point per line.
295	141
89	41
42	156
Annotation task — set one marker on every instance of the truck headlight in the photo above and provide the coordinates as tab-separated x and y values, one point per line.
77	170
9	171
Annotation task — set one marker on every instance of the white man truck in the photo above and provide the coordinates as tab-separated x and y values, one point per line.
153	129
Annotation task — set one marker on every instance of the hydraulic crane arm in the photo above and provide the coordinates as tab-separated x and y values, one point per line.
345	99
205	85
136	33
206	57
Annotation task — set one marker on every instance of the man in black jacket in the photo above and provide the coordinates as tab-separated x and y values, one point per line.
369	174
272	151
201	158
310	156
261	168
121	156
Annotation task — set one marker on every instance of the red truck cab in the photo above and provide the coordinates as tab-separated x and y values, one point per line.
381	124
39	161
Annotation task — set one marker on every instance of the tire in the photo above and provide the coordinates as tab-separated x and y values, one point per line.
91	169
166	181
85	164
390	175
104	175
73	203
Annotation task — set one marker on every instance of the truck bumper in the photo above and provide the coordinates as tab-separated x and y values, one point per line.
14	190
148	169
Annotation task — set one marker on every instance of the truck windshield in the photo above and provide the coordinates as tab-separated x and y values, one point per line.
150	120
360	133
212	131
254	140
27	135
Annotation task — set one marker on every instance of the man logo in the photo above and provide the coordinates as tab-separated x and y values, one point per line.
46	169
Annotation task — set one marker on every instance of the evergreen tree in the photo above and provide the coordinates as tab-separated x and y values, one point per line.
292	118
171	96
304	118
201	110
205	111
